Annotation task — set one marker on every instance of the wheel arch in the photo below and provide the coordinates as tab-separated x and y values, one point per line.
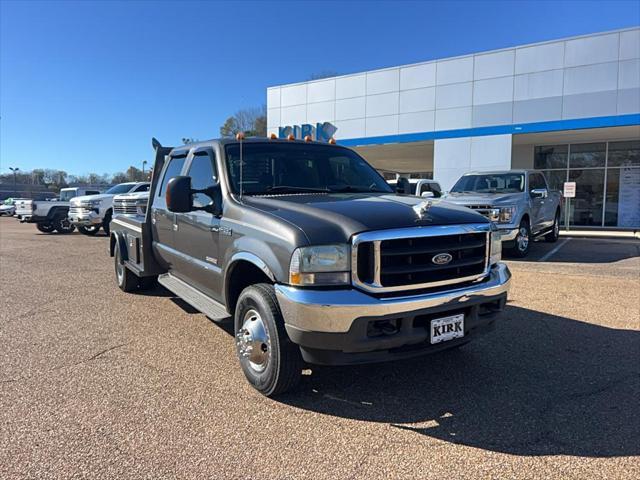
116	240
244	269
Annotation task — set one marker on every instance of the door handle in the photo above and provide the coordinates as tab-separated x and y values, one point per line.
215	228
175	227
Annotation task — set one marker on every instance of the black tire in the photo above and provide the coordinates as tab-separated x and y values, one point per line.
63	225
522	242
45	227
127	280
90	231
282	366
554	234
105	223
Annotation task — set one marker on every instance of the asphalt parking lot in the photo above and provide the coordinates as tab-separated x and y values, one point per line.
96	383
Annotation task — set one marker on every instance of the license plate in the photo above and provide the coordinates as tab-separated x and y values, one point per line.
447	328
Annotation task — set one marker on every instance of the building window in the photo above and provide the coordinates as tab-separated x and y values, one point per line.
607	177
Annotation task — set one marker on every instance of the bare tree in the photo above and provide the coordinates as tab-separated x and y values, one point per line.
251	121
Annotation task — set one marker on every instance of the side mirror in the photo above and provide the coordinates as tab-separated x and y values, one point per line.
539	193
427	194
403	185
178	195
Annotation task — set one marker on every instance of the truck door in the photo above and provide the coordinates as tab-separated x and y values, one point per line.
197	236
162	220
538	204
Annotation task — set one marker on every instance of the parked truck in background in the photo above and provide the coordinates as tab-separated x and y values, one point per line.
52	215
312	253
90	212
420	187
519	202
131	204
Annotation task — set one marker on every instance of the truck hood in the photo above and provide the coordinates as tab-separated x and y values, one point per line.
86	198
131	196
477	198
332	218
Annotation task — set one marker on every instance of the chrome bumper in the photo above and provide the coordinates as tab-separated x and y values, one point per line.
84	218
334	311
508	234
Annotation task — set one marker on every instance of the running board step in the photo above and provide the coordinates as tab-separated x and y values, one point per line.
195	298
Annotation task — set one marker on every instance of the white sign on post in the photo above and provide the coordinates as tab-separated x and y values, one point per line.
569	190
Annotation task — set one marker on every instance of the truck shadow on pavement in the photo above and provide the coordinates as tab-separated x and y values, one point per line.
538	385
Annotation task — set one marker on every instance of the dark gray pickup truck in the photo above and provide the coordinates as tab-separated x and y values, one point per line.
312	253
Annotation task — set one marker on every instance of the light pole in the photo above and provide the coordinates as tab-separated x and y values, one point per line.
144	162
15	171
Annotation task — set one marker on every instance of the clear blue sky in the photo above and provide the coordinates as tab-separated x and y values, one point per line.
85	85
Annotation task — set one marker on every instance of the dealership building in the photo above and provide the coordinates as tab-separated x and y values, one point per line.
568	107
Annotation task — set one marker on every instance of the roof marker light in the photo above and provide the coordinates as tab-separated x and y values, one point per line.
290	137
240	136
273	136
307	138
332	141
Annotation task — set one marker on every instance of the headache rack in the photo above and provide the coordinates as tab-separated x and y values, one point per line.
407	259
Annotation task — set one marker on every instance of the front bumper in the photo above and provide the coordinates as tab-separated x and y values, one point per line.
508	234
331	326
84	217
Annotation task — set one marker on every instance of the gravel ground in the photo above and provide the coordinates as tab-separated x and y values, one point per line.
96	383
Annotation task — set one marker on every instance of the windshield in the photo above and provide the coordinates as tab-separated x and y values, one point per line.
122	188
66	195
270	168
490	183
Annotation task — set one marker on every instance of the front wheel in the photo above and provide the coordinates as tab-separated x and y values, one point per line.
126	279
523	239
91	231
271	362
554	234
45	227
106	223
63	225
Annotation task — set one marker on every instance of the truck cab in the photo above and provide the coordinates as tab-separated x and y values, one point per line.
312	254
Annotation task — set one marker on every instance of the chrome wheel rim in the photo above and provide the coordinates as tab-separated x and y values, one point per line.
523	239
253	342
556	227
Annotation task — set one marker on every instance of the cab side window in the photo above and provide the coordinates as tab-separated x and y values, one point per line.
142	188
203	175
173	170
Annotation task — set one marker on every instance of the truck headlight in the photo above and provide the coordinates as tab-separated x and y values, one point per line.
505	214
495	251
320	265
90	204
141	207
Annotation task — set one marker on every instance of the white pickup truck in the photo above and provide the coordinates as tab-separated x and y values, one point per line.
90	212
50	215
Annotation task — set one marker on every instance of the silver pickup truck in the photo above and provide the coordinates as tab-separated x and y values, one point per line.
519	202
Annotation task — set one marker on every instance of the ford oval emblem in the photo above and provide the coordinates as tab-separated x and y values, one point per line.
441	258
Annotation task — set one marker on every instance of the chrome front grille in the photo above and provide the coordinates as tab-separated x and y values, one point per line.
484	210
123	207
76	211
405	259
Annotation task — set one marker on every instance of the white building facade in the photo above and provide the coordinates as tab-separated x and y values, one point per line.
570	108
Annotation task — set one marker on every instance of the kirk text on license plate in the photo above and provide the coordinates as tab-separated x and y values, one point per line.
447	328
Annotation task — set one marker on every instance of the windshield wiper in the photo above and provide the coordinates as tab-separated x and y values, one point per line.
349	188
